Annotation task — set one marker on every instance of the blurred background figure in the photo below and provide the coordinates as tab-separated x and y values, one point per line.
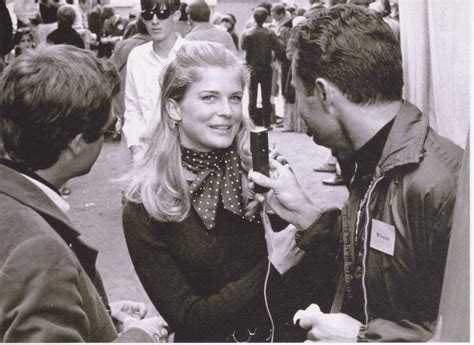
259	44
81	8
6	37
49	11
251	21
131	28
22	40
182	26
113	28
216	19
65	34
199	15
119	58
282	24
27	13
228	21
96	22
384	9
315	5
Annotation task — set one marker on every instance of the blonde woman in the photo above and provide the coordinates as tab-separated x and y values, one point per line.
195	239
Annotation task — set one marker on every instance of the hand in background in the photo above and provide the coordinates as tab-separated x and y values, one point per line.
136	310
156	327
132	314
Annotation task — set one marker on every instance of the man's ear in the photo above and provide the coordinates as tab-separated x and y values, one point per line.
176	16
77	144
173	110
325	90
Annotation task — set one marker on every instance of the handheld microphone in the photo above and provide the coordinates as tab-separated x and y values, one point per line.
259	148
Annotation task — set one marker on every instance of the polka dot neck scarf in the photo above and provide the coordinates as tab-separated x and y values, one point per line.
218	178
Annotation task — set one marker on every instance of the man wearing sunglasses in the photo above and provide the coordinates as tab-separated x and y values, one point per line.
144	67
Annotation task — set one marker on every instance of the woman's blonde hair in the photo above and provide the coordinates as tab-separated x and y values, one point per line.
157	180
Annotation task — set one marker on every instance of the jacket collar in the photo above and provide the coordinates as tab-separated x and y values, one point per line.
24	191
406	139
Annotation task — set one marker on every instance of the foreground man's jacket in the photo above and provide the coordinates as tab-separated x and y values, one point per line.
414	190
49	288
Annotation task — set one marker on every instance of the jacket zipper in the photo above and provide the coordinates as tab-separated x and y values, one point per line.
366	200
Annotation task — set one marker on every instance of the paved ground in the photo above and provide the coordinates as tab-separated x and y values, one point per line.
96	206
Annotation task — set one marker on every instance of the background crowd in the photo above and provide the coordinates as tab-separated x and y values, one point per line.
97	26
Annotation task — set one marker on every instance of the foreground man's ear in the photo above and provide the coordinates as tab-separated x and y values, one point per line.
76	145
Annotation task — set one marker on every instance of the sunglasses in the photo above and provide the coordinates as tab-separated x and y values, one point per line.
114	129
160	14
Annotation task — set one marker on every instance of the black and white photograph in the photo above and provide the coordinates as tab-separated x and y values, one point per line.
214	171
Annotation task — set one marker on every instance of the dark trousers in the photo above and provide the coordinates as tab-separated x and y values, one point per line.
262	76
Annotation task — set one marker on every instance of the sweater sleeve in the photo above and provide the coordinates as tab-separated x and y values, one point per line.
166	285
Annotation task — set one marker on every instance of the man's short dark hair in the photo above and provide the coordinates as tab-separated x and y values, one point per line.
260	15
50	95
107	12
172	5
199	12
278	9
66	15
184	14
352	48
265	5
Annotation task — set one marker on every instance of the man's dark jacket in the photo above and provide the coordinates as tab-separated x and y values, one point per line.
50	290
65	34
413	190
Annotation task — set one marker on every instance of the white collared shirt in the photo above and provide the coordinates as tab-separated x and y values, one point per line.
142	89
55	198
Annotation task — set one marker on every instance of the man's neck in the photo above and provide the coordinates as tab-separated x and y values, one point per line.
52	177
201	26
361	123
163	48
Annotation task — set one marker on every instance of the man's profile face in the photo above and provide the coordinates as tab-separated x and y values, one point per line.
89	156
321	123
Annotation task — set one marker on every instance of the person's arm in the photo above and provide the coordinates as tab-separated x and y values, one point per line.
78	41
166	285
19	8
229	43
243	42
41	301
278	47
134	123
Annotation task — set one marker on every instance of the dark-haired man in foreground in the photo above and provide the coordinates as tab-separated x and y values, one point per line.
389	242
55	108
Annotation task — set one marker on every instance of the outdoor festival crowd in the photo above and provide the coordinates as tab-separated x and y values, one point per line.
219	261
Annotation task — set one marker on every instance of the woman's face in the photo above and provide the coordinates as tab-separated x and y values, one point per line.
226	24
211	110
26	42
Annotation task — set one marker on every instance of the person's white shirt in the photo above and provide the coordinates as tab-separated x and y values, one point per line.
55	197
142	89
25	10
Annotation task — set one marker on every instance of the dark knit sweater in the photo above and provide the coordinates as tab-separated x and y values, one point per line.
206	284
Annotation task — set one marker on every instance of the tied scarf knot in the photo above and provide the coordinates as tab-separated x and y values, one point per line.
218	179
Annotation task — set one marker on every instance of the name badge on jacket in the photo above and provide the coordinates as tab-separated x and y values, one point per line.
382	237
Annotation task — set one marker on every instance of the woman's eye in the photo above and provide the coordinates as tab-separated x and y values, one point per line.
209	98
236	98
